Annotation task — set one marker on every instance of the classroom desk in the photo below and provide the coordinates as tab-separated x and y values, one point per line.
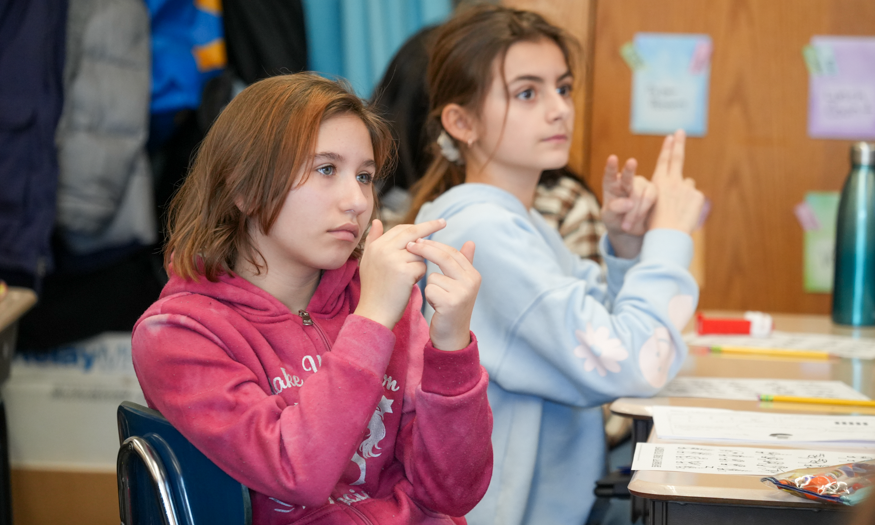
668	498
650	490
15	304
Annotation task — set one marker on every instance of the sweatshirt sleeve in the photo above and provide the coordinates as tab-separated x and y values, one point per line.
555	327
205	382
445	438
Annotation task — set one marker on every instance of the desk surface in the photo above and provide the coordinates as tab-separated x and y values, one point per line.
858	373
715	488
748	490
16	302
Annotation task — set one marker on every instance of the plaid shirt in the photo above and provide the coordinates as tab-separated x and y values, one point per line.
575	212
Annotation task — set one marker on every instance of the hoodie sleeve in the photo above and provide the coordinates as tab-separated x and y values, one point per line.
202	376
554	327
445	438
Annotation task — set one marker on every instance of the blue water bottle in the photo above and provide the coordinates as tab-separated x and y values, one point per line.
853	300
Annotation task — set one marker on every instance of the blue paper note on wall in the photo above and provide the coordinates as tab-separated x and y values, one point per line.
670	83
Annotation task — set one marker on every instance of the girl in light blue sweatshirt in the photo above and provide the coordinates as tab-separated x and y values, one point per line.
558	337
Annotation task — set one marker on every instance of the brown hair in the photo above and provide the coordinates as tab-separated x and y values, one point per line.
460	72
247	164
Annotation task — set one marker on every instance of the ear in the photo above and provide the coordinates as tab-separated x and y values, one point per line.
238	202
458	122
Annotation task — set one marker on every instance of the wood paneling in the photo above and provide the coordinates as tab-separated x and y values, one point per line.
575	16
42	497
756	161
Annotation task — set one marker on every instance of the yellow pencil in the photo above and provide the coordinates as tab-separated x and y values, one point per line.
817	400
776	352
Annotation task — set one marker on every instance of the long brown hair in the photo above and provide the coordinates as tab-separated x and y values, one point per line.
460	71
247	164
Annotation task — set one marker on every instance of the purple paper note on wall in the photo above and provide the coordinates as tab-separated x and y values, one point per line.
841	94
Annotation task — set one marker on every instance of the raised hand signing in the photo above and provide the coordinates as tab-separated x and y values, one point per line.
393	262
626	204
679	203
451	293
388	271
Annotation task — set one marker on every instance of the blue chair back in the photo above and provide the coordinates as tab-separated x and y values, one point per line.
164	480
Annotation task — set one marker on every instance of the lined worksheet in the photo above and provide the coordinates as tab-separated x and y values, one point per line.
703	459
750	389
837	345
761	427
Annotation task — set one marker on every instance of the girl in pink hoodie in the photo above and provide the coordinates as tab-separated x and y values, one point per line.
301	367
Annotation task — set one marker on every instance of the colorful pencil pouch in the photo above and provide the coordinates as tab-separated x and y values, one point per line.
846	484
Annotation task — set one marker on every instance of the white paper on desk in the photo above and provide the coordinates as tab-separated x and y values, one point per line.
837	345
744	389
704	459
760	427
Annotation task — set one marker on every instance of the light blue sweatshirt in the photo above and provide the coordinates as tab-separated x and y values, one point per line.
558	341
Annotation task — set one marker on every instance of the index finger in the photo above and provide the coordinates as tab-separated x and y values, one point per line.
676	170
662	163
627	177
401	235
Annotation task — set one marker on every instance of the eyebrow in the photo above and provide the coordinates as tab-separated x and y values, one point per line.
328	155
337	157
535	78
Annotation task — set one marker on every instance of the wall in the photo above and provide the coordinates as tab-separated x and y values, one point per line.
756	161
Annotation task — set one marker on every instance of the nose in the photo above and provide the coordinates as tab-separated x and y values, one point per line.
356	198
560	107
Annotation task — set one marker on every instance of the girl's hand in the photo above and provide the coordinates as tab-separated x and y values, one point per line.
679	203
627	202
452	294
389	271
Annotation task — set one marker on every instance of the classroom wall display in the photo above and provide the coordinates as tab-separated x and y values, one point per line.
669	83
841	87
757	161
817	216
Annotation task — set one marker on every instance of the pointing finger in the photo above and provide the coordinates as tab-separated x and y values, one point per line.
452	262
662	163
677	155
403	234
611	167
628	175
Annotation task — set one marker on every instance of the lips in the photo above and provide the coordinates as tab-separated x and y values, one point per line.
348	232
556	138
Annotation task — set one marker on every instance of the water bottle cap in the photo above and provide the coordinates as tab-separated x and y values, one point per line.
863	154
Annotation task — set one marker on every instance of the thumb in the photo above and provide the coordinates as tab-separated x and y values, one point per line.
375	233
468	251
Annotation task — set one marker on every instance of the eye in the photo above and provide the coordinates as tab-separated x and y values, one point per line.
527	94
327	169
564	90
365	178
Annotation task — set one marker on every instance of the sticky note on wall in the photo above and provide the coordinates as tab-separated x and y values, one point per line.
817	216
841	92
670	82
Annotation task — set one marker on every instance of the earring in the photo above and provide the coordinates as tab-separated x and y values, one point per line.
471	141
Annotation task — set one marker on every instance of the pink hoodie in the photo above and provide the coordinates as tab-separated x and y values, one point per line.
326	416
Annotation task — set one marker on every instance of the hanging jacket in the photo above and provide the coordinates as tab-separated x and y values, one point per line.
105	195
324	415
265	37
32	36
